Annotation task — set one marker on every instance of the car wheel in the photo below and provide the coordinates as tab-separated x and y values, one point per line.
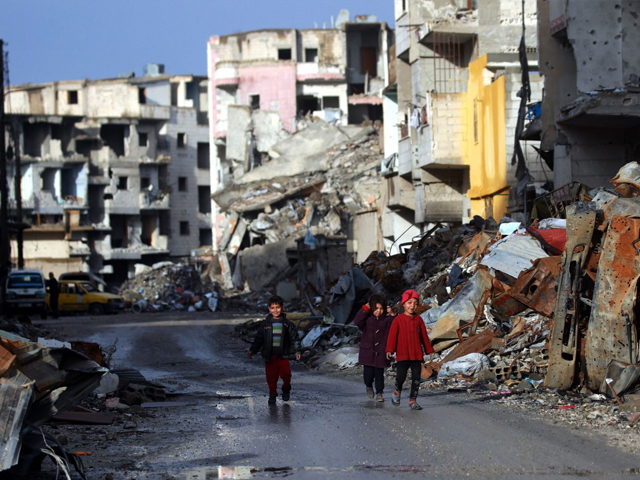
96	309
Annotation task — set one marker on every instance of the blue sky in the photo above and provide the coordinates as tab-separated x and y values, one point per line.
50	40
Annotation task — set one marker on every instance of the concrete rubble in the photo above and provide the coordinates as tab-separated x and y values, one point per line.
169	286
312	184
489	300
48	383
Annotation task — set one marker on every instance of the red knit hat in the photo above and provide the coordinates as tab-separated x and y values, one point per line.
408	295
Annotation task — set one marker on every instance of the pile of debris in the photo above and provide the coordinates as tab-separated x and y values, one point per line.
55	382
315	180
514	307
169	286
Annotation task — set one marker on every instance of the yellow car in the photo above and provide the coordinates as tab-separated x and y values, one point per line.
81	296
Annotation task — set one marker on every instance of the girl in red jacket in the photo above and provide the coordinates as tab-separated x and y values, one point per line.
374	319
409	341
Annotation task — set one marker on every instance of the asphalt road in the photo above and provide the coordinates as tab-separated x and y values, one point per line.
328	429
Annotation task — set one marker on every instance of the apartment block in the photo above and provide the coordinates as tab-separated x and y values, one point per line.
591	107
113	172
455	104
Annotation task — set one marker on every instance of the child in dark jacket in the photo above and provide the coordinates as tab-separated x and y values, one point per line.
408	339
276	339
374	320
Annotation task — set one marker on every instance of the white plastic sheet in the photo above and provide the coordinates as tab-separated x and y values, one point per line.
469	366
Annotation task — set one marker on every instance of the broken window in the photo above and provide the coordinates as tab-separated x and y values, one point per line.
284	54
203	156
182	184
48	180
123	183
34	136
72	97
308	104
254	101
204	199
143	139
113	137
145	182
311	55
330	102
182	140
184	228
142	95
206	237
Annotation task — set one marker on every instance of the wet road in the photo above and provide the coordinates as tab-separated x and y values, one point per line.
328	429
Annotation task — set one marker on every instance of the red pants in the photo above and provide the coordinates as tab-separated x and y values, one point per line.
278	368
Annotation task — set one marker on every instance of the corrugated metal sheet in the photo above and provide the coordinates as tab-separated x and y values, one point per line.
16	393
514	254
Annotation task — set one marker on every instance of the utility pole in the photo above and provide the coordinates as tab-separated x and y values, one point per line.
15	135
5	255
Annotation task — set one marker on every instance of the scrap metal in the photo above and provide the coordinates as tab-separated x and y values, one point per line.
563	344
612	334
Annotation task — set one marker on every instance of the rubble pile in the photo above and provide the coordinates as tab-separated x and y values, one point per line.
54	382
514	308
314	196
168	286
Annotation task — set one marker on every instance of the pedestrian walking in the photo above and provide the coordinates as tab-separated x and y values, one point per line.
374	319
409	341
54	291
277	340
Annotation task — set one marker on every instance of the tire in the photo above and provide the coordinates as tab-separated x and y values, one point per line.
96	309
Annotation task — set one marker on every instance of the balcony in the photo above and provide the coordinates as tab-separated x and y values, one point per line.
155	112
400	193
154	201
226	74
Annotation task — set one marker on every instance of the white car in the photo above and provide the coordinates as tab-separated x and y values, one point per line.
25	292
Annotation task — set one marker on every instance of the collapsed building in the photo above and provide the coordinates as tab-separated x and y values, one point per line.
268	84
455	100
113	172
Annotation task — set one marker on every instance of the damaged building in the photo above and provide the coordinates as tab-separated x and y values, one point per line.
113	172
455	102
268	84
591	108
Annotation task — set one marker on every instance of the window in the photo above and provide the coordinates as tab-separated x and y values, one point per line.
330	102
144	182
311	55
142	95
123	183
284	54
182	140
72	97
206	237
182	184
184	228
143	139
204	199
203	156
254	102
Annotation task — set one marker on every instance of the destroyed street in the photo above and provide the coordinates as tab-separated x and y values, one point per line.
216	414
402	243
